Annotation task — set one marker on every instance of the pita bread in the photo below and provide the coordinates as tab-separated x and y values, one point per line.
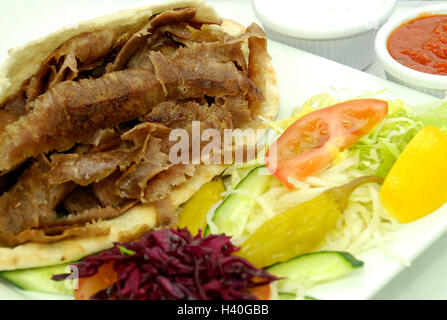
25	60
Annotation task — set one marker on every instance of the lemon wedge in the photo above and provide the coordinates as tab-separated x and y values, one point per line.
417	183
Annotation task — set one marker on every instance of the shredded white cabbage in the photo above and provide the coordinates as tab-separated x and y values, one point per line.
210	215
364	224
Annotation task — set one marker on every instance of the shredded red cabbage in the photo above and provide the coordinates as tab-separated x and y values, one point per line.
172	264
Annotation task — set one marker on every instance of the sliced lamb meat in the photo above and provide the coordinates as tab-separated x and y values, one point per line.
238	108
162	41
138	39
179	31
137	146
16	105
72	111
77	54
80	200
141	133
181	114
106	190
154	159
141	59
200	75
222	52
85	169
12	109
133	182
187	115
102	136
90	130
6	118
163	183
31	200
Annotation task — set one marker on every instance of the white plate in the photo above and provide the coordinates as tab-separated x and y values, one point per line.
300	75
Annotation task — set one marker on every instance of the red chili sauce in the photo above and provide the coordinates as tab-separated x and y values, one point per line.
421	44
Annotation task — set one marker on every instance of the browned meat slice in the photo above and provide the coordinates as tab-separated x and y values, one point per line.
141	59
85	169
138	39
136	146
184	114
157	42
106	191
91	46
133	182
200	75
102	136
30	201
80	200
79	53
220	46
220	51
179	31
160	40
12	109
28	210
72	111
16	104
6	118
141	133
163	183
153	159
238	108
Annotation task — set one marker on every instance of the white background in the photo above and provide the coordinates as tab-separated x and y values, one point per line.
22	20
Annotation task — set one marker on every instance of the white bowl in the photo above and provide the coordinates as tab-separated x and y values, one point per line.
349	40
435	85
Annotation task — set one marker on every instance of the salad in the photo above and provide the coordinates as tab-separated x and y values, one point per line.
337	180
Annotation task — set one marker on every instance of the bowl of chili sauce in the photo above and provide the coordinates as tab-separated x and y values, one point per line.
412	48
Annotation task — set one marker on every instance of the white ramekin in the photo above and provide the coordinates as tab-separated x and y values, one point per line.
352	46
435	85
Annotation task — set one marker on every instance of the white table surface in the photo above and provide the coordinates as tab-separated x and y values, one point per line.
424	279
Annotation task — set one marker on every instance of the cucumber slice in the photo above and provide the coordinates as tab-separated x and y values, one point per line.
38	279
312	268
232	215
291	296
286	296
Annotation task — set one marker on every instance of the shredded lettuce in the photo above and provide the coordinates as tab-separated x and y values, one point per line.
434	113
377	151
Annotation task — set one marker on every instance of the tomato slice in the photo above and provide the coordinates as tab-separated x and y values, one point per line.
311	143
104	278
